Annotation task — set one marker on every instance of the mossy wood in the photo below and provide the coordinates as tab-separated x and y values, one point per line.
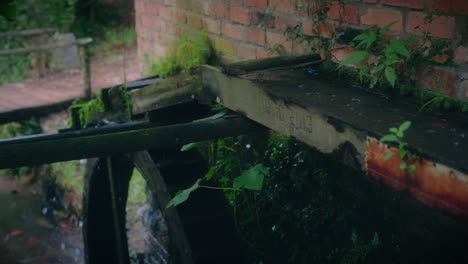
182	88
244	67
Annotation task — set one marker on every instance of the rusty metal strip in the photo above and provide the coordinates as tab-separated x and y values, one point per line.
433	184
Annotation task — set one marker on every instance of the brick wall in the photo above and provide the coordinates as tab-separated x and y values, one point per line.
245	29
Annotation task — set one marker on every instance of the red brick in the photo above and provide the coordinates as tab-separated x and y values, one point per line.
340	54
284	43
152	9
342	12
371	1
255	35
324	29
260	18
146	21
173	29
239	15
465	86
180	17
461	55
239	2
262	53
409	3
139	5
184	4
232	31
212	25
438	80
166	12
286	6
224	46
218	10
307	7
194	21
283	23
246	51
440	27
383	17
459	7
257	3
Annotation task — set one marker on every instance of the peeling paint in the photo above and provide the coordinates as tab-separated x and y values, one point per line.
433	184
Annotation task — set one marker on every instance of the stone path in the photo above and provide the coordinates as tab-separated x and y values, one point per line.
61	87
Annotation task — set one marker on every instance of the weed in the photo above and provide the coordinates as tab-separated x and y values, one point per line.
396	136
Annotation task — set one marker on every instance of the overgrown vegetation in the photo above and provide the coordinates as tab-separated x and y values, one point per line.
115	40
295	217
186	55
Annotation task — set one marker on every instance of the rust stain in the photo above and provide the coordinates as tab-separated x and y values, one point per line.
433	184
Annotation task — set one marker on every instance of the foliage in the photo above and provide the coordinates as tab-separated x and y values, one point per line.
396	136
115	39
250	178
390	55
186	55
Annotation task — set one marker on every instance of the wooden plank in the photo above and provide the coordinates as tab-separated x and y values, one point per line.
182	88
179	241
28	32
80	42
328	114
244	67
35	150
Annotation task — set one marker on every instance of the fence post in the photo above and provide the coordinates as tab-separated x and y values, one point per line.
87	71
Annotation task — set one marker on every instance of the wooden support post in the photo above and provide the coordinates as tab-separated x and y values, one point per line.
87	72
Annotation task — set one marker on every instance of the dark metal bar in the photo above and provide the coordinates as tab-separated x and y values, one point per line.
93	143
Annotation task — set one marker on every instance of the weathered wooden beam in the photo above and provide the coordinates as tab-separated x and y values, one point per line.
35	150
244	67
80	42
182	88
28	32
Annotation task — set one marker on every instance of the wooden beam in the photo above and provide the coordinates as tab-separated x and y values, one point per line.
179	89
35	150
80	42
244	67
28	32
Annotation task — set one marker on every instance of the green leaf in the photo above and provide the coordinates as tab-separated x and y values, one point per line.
183	195
355	57
372	38
403	165
411	169
389	155
391	75
402	153
373	82
218	115
379	68
389	138
252	178
209	175
403	127
387	27
188	146
393	130
360	37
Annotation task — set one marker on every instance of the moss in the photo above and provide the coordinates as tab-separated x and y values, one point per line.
186	55
88	112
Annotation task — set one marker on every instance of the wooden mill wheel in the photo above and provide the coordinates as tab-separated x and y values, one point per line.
200	231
